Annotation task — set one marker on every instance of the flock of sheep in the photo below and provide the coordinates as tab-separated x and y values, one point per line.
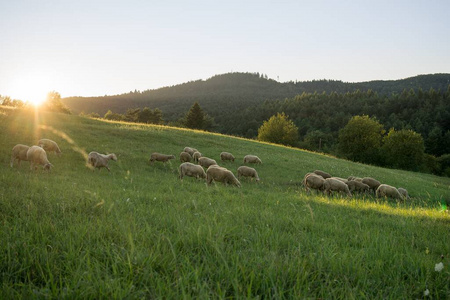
318	180
322	181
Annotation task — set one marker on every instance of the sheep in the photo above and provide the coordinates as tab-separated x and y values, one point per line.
206	162
372	183
332	184
189	169
185	157
340	179
226	156
37	156
354	185
190	150
49	146
247	172
221	174
313	181
98	160
404	193
354	178
385	190
196	156
325	175
19	152
252	159
160	157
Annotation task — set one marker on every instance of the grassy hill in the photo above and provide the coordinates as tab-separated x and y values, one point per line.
140	232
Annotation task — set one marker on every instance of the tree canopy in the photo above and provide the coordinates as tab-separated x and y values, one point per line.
280	130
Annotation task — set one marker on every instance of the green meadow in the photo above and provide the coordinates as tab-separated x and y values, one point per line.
139	232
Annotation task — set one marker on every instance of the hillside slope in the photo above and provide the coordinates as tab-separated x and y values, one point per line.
140	232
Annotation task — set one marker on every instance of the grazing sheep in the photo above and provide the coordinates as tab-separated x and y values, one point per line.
98	160
372	183
354	185
325	175
189	169
160	157
37	156
185	157
332	184
385	190
253	159
247	172
49	146
226	156
354	178
404	193
19	152
313	181
206	162
221	174
190	150
340	179
196	156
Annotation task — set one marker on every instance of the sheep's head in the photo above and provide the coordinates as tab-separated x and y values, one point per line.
113	156
48	166
171	156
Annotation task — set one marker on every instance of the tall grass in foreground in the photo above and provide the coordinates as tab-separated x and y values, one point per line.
140	232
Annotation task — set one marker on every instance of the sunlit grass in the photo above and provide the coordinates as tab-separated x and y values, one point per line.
139	232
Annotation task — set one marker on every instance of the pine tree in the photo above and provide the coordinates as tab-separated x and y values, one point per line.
195	117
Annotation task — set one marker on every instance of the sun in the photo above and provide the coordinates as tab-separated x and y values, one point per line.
32	88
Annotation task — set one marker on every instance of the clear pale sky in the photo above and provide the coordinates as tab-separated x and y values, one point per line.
92	48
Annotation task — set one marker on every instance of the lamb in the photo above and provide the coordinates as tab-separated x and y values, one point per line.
160	157
221	174
313	181
206	162
19	152
190	150
196	156
49	146
332	184
404	193
226	156
37	156
385	190
98	160
185	157
189	169
354	185
325	175
372	183
252	159
247	172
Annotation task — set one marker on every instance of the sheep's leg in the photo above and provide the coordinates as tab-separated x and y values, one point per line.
107	168
12	161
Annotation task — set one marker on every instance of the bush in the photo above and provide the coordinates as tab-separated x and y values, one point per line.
404	149
280	130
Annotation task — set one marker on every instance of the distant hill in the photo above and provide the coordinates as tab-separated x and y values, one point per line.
223	94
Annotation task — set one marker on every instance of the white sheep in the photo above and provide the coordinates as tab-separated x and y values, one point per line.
354	185
252	159
340	179
206	162
325	175
49	146
385	190
98	160
160	157
185	157
190	150
226	156
332	184
221	174
313	181
37	156
196	156
190	169
19	152
371	182
247	172
359	179
404	193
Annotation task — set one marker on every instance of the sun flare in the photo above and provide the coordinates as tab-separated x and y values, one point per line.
32	89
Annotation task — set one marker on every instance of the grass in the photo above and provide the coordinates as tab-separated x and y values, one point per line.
139	232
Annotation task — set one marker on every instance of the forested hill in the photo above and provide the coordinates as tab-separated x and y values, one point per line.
222	95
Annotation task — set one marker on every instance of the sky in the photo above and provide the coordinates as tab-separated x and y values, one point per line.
96	47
